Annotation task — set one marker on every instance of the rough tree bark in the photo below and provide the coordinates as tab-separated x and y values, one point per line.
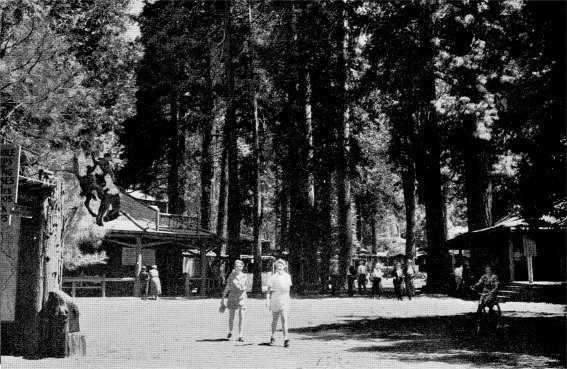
230	134
430	178
207	172
408	183
343	183
257	216
478	186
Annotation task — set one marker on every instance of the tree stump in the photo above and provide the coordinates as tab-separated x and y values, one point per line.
61	331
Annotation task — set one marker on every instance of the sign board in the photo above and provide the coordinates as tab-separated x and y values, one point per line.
9	173
129	256
9	269
9	233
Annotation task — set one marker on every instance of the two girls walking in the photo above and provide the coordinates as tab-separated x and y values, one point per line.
277	299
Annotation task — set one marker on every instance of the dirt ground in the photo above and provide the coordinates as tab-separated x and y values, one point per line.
427	332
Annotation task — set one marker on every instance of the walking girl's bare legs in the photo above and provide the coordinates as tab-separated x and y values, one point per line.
285	320
240	320
275	318
232	313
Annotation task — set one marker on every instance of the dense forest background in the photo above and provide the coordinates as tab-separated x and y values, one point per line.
313	124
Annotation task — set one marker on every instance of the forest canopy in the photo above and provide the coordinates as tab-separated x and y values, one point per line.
320	126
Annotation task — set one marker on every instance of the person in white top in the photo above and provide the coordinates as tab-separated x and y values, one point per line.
377	280
362	277
409	274
278	299
458	280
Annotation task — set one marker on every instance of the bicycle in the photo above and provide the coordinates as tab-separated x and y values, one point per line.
488	321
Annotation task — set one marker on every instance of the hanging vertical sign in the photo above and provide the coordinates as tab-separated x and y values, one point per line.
9	233
9	172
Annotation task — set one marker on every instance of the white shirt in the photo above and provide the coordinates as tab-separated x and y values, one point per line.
378	272
361	269
279	284
459	272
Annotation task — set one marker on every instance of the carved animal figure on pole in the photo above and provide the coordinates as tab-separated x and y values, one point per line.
98	184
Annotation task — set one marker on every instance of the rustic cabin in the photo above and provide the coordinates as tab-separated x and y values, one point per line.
516	252
31	257
144	236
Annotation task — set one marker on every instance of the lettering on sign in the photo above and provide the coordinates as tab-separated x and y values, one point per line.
9	173
9	233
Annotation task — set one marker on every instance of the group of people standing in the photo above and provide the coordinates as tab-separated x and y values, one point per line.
150	284
403	276
278	299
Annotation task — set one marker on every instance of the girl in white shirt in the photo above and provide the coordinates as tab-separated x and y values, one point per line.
278	299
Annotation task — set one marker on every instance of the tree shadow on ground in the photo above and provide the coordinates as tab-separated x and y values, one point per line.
520	342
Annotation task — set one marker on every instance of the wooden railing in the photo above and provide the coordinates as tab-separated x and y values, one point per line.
91	282
174	221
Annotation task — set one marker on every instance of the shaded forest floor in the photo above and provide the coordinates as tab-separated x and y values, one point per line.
426	332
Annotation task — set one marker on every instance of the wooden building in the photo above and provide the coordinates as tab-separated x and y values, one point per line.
143	235
516	252
30	260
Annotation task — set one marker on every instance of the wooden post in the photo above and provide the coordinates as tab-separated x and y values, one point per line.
530	269
73	289
52	220
530	251
138	267
203	251
103	285
29	295
511	260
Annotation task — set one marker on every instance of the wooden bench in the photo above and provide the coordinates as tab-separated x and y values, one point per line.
94	283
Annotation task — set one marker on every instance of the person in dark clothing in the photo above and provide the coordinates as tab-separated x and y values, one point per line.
377	280
398	275
334	275
144	283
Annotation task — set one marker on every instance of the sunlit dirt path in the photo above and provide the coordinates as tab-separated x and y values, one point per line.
427	332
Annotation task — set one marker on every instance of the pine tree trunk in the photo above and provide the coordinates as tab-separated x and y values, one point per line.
207	172
303	255
343	182
374	226
282	211
222	205
230	132
173	174
359	220
176	155
477	179
408	181
257	216
438	270
323	205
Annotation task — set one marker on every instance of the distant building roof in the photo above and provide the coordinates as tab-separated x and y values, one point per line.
139	218
142	196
